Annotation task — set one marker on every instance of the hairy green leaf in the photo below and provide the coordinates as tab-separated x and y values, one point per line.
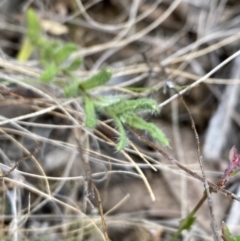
96	80
74	65
91	120
49	72
104	102
63	52
124	106
133	120
123	137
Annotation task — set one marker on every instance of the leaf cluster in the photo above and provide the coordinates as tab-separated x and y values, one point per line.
54	56
120	110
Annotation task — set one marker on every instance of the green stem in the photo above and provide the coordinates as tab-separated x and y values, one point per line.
191	214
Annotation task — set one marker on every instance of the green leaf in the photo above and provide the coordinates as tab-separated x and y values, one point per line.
49	72
33	25
91	120
123	137
62	53
96	80
226	235
25	50
133	120
41	43
187	222
74	65
104	102
48	48
124	106
72	89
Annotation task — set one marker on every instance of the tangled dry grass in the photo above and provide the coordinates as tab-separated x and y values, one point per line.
49	157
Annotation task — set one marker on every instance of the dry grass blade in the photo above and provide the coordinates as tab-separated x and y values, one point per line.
215	187
233	56
16	165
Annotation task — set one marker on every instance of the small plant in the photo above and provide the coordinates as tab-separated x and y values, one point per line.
227	236
55	58
120	110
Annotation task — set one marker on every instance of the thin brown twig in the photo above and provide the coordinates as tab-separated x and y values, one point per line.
215	187
16	165
100	208
92	189
226	61
200	159
87	170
